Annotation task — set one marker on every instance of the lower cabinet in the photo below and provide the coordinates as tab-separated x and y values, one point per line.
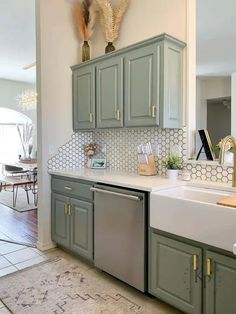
193	278
220	284
81	228
72	224
60	220
174	268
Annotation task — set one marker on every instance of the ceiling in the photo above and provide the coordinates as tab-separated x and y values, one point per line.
17	39
216	37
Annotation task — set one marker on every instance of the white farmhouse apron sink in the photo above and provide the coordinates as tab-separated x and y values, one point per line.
192	212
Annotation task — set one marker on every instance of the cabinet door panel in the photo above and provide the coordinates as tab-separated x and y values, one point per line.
60	220
172	97
109	87
84	98
221	285
172	277
142	70
82	228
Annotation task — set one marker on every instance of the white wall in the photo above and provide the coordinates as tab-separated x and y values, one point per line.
58	48
216	87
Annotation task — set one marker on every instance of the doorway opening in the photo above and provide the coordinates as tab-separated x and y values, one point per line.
18	123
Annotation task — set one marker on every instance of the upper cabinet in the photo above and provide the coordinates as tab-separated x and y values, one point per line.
84	98
109	93
171	85
140	85
142	68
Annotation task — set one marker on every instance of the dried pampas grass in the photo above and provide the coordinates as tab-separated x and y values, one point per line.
111	19
85	17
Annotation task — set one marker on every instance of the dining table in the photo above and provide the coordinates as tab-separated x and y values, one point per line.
30	183
26	164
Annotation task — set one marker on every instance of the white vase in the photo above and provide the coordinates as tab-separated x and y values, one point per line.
228	157
172	174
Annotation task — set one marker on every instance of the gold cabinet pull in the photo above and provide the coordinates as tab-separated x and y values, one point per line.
65	209
153	111
90	117
118	115
69	210
67	188
195	262
209	269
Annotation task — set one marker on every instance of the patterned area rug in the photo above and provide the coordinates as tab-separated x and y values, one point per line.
21	201
60	286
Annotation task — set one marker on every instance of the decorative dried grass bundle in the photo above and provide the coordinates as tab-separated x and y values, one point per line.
85	17
111	19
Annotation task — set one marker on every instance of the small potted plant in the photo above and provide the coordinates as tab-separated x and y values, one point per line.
173	163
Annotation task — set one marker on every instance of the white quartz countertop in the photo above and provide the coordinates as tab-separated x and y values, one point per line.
118	178
134	181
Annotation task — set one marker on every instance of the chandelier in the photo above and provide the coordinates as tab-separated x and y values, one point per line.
27	100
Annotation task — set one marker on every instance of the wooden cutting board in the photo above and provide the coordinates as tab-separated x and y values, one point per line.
229	201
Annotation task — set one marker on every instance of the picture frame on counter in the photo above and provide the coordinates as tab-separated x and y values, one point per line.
98	163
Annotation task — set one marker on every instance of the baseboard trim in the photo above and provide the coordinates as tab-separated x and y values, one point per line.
45	246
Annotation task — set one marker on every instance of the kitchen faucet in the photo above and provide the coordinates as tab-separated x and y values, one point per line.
232	140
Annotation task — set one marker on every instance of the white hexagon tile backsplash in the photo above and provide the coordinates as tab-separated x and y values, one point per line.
121	151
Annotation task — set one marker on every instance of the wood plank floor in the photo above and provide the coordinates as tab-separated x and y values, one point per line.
20	227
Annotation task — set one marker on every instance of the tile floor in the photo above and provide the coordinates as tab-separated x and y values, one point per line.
15	257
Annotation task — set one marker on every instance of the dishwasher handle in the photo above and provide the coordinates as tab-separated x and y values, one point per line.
129	196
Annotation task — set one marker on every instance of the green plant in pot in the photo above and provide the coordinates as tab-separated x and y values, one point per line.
173	163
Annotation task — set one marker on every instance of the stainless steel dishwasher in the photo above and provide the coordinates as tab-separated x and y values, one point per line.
120	234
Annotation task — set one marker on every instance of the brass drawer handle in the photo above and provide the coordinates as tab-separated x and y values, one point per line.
118	115
67	188
153	111
65	209
209	267
195	262
69	210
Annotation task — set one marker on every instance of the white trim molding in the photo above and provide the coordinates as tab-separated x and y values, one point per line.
191	76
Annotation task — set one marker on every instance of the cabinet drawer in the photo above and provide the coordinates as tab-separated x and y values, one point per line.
72	188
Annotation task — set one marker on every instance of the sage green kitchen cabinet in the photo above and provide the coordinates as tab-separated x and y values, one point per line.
191	276
81	228
109	93
84	98
142	70
173	273
154	85
60	220
220	284
72	215
139	85
171	86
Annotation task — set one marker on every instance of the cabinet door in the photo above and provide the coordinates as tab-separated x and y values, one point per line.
171	97
220	284
60	220
82	228
84	98
109	88
174	273
142	69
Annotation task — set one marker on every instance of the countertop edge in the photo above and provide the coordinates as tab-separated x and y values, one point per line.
126	180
